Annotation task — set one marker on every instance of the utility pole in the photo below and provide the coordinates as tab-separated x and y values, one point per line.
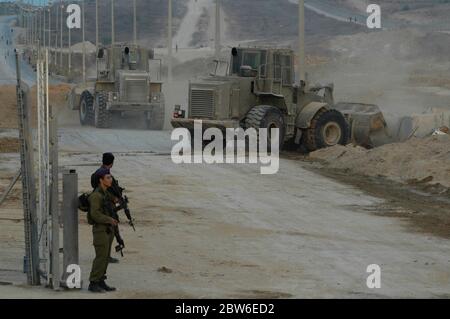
169	43
134	23
301	39
49	27
217	38
84	42
70	53
41	26
96	25
25	21
36	30
36	10
61	40
44	11
34	27
113	33
38	24
28	28
56	35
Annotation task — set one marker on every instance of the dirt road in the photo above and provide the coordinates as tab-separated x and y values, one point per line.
7	63
227	231
188	25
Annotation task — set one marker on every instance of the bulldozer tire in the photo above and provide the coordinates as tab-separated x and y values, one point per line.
86	110
328	128
102	117
157	118
265	116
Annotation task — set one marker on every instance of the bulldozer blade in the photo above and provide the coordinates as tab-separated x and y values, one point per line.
365	120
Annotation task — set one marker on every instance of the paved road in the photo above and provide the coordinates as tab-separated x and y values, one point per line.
7	63
188	25
339	12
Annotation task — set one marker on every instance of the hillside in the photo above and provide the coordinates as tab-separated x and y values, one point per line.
152	21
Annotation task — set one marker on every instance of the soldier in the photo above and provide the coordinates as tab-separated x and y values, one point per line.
99	216
107	163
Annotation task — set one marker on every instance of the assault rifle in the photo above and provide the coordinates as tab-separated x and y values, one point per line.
117	191
123	201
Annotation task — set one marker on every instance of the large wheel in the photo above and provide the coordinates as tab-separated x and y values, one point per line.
328	128
156	118
102	117
265	116
86	110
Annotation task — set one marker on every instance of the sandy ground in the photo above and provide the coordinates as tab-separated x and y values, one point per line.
239	234
415	160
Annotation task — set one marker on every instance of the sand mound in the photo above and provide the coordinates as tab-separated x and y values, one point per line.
8	106
426	160
78	48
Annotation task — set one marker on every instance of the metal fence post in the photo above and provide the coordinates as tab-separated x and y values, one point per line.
54	204
70	221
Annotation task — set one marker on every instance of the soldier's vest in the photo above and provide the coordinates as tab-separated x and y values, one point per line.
107	206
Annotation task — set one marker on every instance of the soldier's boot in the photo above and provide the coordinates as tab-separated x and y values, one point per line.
113	260
96	287
104	286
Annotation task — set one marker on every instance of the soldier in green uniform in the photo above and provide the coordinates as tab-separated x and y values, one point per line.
107	162
99	216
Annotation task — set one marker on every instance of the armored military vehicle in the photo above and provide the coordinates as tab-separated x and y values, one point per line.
259	91
123	84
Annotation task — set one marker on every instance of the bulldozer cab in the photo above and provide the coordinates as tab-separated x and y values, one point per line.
246	62
121	57
264	64
273	69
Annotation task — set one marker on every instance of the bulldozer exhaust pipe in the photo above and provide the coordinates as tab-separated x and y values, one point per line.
301	41
217	36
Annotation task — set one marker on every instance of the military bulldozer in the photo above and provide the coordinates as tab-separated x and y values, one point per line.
259	91
123	85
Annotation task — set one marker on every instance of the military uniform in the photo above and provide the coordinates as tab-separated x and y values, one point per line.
99	216
95	180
